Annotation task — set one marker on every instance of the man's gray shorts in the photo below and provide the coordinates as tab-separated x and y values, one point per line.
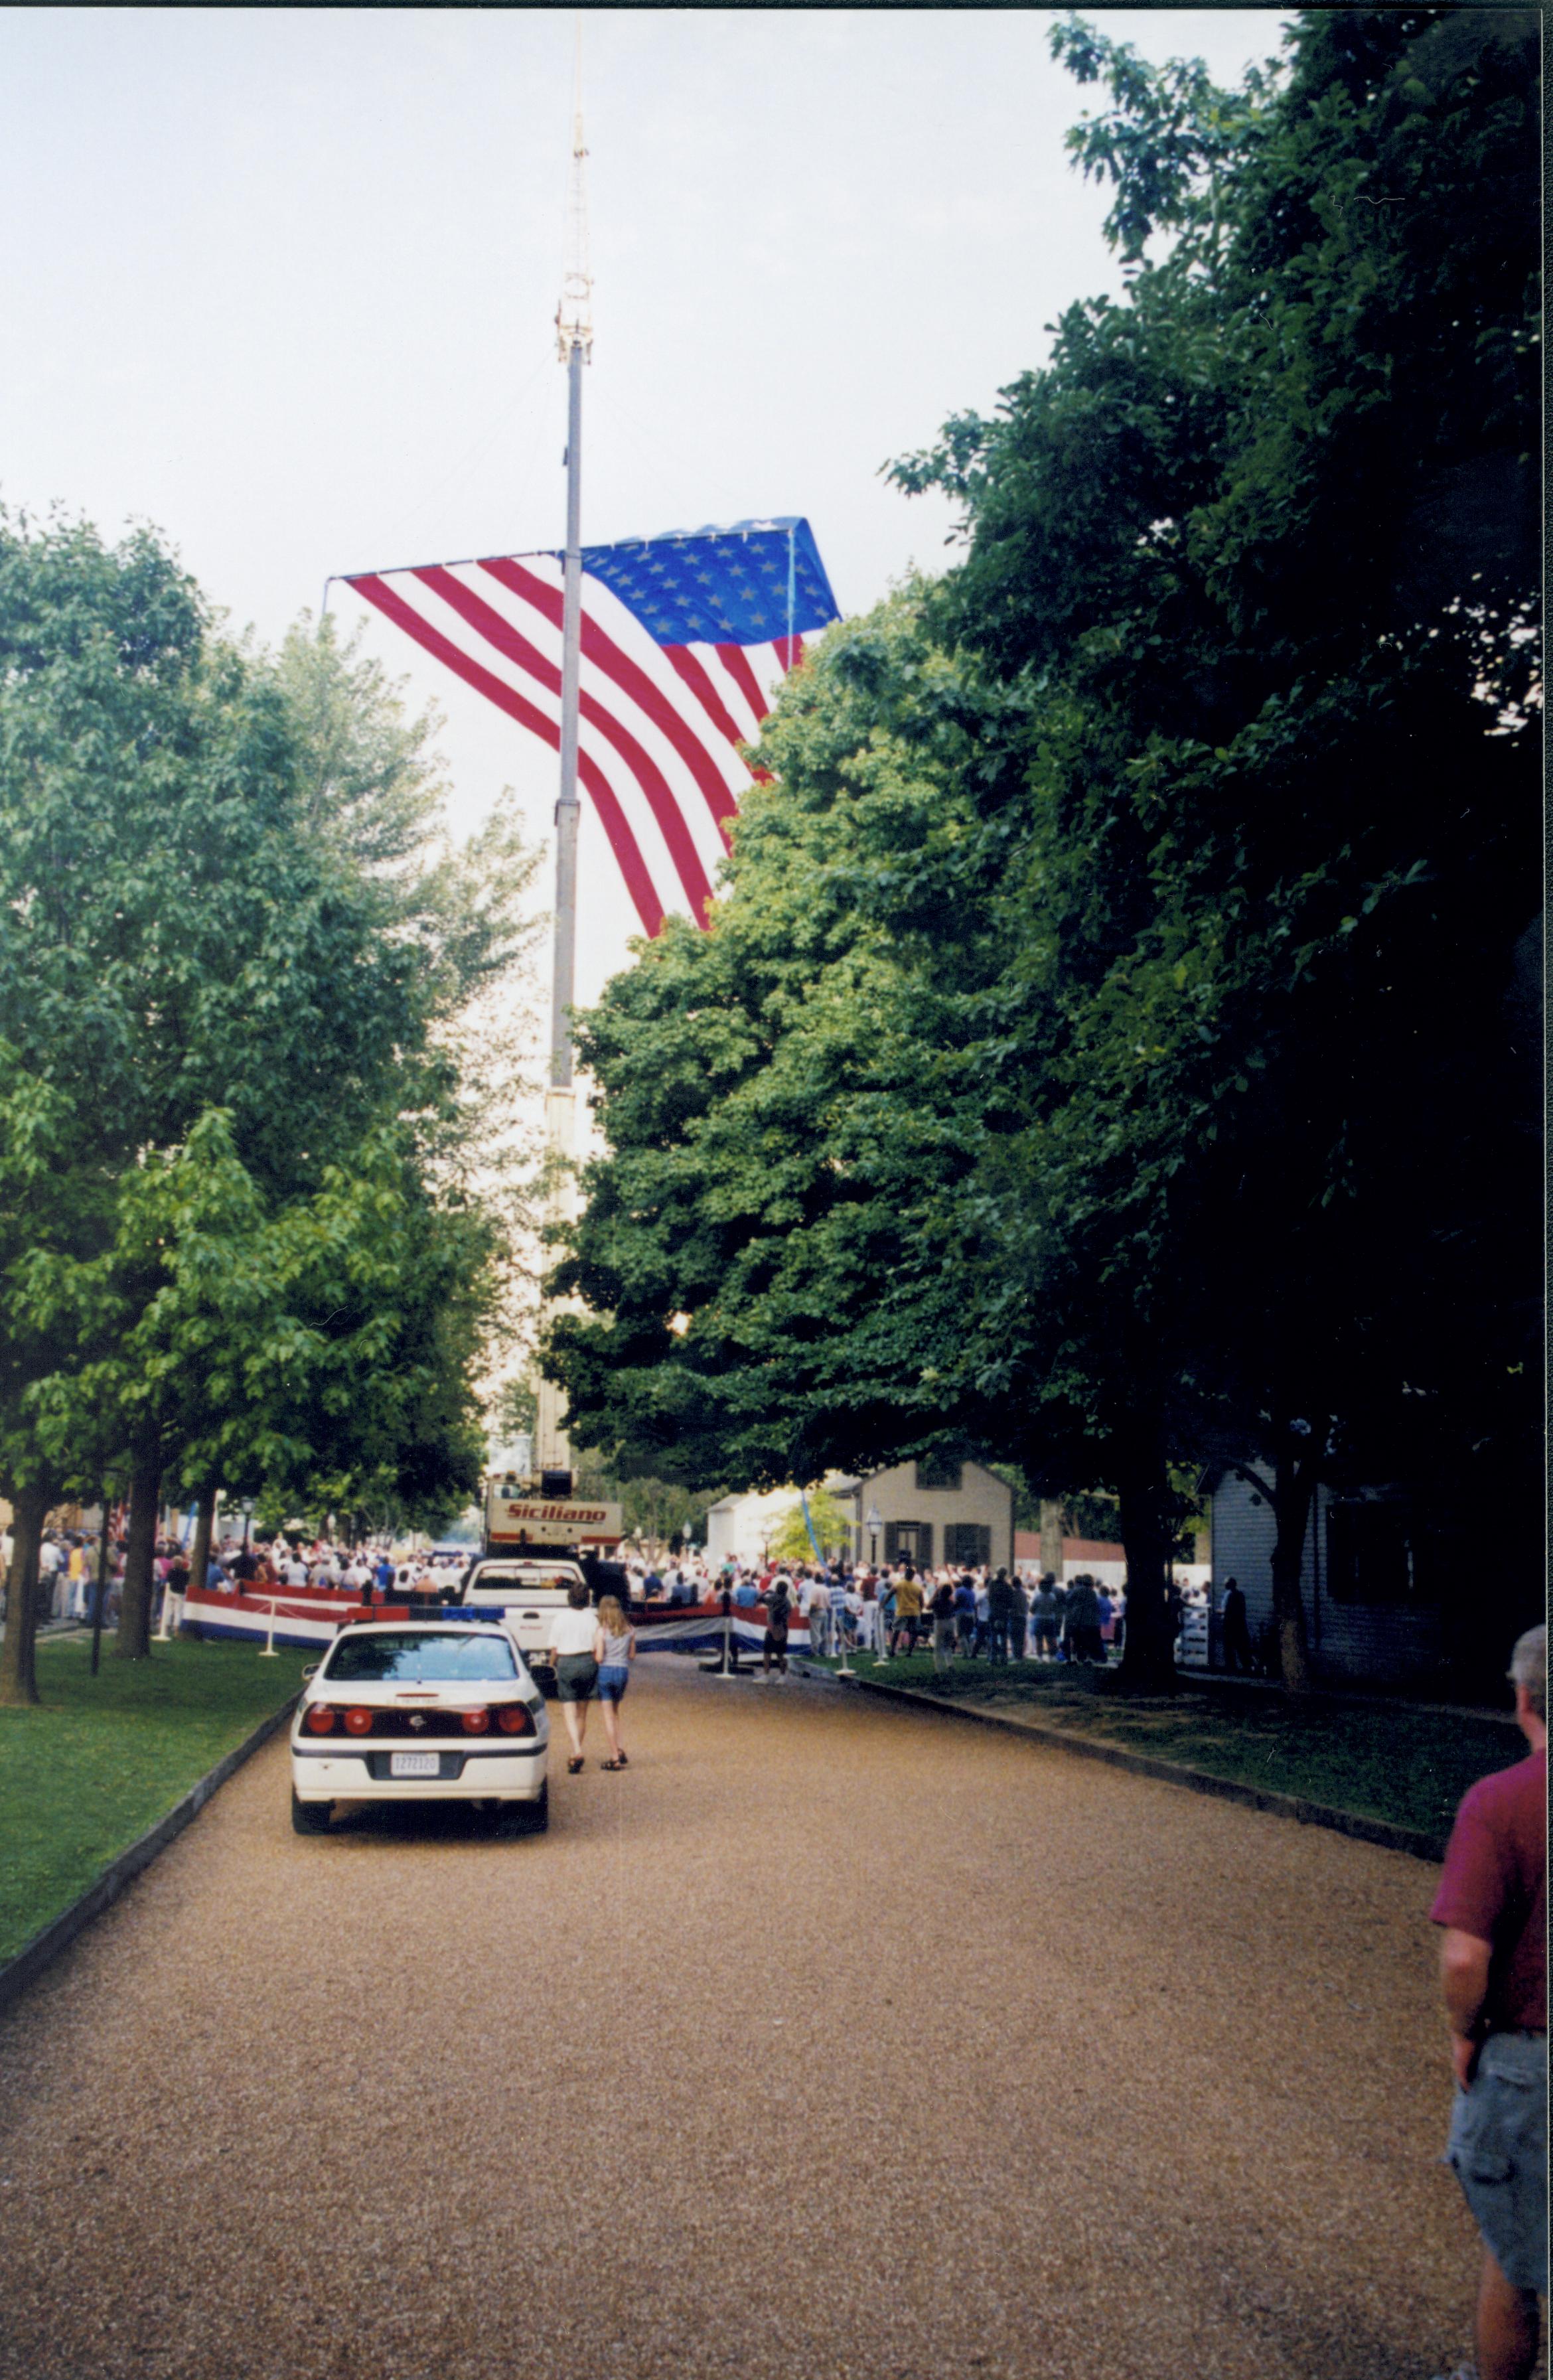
1499	2151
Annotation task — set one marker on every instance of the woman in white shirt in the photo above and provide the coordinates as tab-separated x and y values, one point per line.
576	1672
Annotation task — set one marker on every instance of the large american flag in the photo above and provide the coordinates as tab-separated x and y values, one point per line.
685	638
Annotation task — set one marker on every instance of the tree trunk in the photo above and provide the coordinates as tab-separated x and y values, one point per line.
1294	1487
133	1642
19	1662
1143	1493
199	1552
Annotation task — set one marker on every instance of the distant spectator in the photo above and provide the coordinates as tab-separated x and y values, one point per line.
1237	1636
175	1587
999	1606
53	1580
1081	1620
1175	1610
1043	1619
907	1591
1018	1618
816	1612
778	1612
1492	1904
941	1605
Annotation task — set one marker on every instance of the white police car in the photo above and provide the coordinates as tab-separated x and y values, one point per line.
421	1710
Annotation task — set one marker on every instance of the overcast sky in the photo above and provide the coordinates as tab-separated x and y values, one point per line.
283	283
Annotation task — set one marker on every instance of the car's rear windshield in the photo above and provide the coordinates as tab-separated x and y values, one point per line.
419	1657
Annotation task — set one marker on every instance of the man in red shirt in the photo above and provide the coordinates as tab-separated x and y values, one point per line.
1493	1905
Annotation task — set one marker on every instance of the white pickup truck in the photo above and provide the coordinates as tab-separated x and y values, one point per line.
526	1590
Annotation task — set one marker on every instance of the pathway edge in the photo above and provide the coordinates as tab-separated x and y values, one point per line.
1385	1832
19	1974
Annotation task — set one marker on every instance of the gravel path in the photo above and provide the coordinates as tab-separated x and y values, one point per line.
829	2040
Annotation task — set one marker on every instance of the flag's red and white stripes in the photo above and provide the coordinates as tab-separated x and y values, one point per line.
660	724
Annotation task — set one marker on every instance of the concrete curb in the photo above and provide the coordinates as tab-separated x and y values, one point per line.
17	1975
1390	1837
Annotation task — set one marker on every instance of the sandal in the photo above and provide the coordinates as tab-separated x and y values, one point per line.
620	1761
612	1763
572	1767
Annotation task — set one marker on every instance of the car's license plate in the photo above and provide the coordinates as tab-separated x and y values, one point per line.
413	1764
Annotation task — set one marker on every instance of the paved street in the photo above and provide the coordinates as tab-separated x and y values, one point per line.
830	2039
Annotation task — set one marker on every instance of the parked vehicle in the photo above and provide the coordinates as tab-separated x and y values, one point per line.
421	1711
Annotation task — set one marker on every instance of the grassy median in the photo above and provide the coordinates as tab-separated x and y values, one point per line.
1379	1760
101	1759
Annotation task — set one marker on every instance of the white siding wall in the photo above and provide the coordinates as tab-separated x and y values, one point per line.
1347	1640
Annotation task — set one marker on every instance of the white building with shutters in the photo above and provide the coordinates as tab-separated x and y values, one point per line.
928	1513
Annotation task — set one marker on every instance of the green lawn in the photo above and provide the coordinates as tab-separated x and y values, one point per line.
1410	1766
103	1759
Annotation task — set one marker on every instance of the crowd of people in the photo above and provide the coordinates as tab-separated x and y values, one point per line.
71	1564
979	1613
963	1614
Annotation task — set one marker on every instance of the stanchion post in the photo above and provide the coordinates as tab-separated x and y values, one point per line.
268	1653
844	1668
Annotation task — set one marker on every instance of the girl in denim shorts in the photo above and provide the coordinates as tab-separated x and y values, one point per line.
614	1649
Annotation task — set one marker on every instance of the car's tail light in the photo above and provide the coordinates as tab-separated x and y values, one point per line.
359	1721
515	1718
476	1722
321	1719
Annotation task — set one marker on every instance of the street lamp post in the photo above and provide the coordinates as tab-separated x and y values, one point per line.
102	1595
873	1523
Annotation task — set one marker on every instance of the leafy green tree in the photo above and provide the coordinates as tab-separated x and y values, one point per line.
790	1541
809	1118
761	1089
1259	536
232	983
517	1407
1067	1059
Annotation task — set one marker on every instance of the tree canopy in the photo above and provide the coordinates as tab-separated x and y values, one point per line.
241	1241
1111	1043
